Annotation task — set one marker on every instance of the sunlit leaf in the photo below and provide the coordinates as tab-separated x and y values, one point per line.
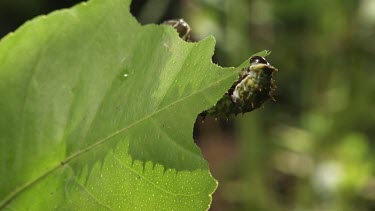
97	113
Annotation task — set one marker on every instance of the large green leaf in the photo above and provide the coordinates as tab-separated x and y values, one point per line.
97	112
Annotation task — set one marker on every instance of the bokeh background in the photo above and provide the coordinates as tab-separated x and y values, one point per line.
312	149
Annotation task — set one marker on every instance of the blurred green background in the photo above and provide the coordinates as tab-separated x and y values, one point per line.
313	149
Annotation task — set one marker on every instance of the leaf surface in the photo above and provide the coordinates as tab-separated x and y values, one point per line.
97	112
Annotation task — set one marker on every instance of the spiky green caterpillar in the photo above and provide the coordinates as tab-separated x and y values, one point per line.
253	87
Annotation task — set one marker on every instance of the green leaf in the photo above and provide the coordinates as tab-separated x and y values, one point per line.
97	112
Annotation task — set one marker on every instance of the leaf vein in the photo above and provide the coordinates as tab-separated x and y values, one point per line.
151	182
87	191
19	190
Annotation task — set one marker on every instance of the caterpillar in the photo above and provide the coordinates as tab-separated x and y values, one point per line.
253	87
183	28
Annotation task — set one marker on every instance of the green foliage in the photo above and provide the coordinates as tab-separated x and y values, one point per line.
97	113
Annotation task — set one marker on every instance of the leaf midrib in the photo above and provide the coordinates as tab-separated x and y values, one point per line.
18	191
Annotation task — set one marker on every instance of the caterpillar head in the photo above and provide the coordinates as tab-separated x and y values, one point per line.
260	64
181	27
